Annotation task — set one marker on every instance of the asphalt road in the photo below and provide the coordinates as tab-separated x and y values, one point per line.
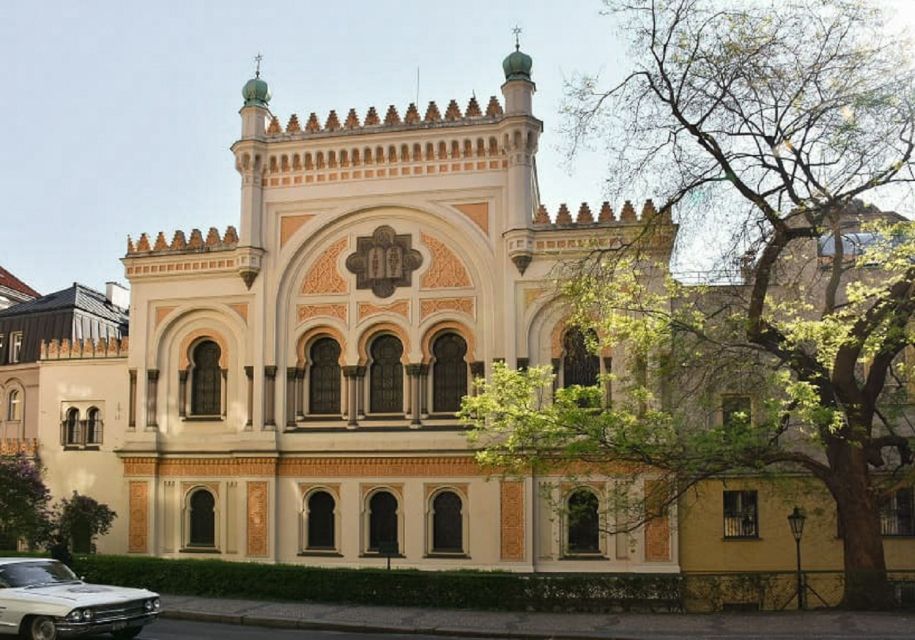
187	630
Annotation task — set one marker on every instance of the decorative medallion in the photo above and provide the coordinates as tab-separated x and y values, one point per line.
384	261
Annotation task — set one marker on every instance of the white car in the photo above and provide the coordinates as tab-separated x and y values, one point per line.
42	599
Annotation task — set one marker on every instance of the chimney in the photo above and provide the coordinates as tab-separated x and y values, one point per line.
117	294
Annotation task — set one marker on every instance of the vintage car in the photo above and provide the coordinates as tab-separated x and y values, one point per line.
41	599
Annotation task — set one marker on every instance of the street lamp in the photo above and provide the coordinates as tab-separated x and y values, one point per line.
796	522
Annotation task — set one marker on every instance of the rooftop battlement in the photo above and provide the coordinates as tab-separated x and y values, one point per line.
374	123
180	243
605	217
83	349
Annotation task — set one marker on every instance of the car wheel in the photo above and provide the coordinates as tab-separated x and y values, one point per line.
127	634
42	628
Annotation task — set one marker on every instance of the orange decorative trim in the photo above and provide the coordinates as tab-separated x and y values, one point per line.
657	530
323	276
138	529
400	307
306	311
257	518
290	224
301	348
447	270
478	212
450	467
460	488
162	312
433	305
216	467
187	487
305	488
382	327
241	309
512	520
140	466
397	489
448	325
185	347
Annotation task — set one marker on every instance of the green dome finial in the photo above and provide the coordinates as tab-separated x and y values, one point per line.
517	65
256	92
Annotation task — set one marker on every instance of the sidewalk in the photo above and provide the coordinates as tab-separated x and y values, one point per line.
493	624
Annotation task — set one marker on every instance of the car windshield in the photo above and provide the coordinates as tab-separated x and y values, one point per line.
29	574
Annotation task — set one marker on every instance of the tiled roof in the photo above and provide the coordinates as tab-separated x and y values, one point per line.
10	281
75	297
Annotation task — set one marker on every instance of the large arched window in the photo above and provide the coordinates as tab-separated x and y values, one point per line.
321	521
14	406
583	523
206	383
386	373
324	377
202	519
93	426
71	427
382	520
449	373
579	365
447	523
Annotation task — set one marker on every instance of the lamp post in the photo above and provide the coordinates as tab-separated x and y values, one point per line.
796	522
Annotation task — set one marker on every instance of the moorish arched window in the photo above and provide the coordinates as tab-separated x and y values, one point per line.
449	373
93	426
202	519
579	365
321	521
71	427
382	520
583	522
14	406
206	383
324	377
447	523
386	375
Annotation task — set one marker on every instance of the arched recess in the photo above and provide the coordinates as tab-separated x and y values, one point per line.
447	521
307	338
301	382
392	327
437	327
170	352
320	519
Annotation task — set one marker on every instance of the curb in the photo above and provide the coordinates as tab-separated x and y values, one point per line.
356	627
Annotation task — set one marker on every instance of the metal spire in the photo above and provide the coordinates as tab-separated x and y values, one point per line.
257	59
517	32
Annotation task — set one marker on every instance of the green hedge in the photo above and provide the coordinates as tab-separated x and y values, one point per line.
454	589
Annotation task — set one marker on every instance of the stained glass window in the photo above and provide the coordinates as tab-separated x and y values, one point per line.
449	373
447	523
206	386
324	379
386	393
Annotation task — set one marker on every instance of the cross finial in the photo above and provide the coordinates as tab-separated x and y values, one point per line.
517	32
257	60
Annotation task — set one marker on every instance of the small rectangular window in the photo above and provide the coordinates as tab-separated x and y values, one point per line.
897	513
741	519
736	410
15	346
2	345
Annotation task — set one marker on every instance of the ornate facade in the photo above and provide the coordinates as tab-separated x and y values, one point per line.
289	390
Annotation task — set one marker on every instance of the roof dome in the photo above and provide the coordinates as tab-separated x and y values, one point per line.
517	65
256	92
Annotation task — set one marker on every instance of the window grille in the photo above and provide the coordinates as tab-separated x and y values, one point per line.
202	519
206	386
93	427
741	518
382	520
71	429
897	513
449	373
579	365
386	392
324	382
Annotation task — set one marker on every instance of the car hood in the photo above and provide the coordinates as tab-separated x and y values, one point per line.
78	594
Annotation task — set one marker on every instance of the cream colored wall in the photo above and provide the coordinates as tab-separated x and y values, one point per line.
98	474
23	378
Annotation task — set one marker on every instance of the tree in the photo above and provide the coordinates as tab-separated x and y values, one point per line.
781	117
79	519
24	499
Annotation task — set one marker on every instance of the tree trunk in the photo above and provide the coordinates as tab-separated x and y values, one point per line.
866	584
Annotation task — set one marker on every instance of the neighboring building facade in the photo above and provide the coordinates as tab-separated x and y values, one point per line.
13	290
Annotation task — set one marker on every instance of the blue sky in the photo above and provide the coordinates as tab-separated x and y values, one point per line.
118	116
